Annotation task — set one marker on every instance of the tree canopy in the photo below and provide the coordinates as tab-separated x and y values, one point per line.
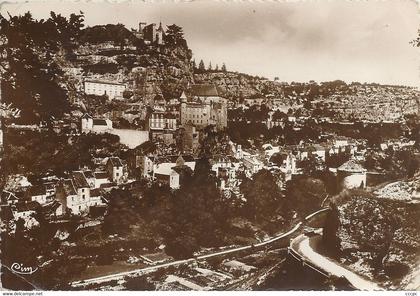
196	216
175	36
264	199
117	34
305	194
31	75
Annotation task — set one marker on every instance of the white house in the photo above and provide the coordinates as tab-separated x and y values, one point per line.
269	150
252	164
9	198
95	125
168	175
99	88
115	170
320	152
341	142
76	195
148	163
39	194
100	178
167	172
26	212
226	169
237	150
166	163
159	121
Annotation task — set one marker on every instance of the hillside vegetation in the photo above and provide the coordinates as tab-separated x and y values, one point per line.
376	237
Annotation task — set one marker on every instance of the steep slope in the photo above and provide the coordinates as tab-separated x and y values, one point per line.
380	237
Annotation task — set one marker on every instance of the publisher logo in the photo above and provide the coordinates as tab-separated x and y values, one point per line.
21	269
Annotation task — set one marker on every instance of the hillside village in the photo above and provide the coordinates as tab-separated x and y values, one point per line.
151	158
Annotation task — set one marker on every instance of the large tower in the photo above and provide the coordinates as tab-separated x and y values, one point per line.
160	34
141	27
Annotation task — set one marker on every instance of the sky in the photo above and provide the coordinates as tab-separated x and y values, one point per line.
365	41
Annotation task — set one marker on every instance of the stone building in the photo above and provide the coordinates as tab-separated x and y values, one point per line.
202	105
153	34
95	125
99	88
159	121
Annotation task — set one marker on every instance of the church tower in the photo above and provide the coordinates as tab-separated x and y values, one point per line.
160	35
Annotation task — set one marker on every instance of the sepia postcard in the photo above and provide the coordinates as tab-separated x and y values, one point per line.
209	146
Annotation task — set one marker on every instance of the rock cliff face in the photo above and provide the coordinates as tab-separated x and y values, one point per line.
148	70
380	238
237	85
151	69
154	70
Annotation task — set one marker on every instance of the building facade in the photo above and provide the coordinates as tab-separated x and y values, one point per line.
153	34
160	121
113	90
202	106
77	195
95	125
115	170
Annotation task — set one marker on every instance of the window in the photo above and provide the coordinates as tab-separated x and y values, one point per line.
117	174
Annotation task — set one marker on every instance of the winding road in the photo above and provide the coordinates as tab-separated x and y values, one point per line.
121	275
301	245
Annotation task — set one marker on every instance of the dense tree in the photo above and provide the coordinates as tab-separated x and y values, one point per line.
201	67
42	152
122	213
196	216
311	165
337	159
329	233
278	158
264	199
116	33
224	68
31	75
305	195
396	164
175	36
66	31
214	143
278	115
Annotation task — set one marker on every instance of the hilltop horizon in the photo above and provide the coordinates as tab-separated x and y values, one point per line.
372	48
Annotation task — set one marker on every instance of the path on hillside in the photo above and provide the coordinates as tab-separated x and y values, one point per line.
121	275
302	246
